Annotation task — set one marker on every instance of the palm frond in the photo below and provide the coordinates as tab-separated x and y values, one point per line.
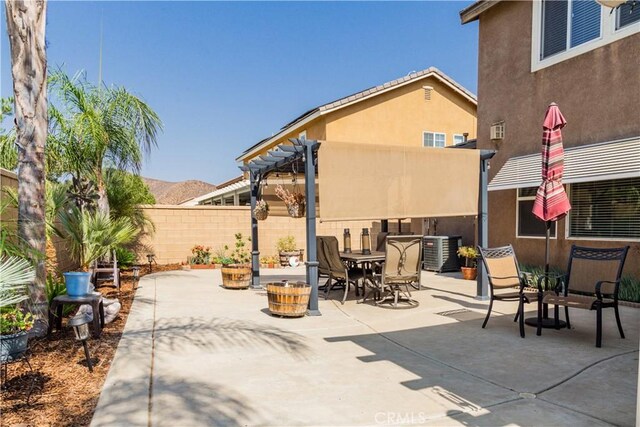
15	274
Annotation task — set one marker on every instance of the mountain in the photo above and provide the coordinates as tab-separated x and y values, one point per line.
173	193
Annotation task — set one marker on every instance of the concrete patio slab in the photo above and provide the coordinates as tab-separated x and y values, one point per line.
194	354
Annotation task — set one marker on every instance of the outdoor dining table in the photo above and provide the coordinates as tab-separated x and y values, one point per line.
364	260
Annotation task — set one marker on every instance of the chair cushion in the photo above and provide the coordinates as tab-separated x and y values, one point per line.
572	300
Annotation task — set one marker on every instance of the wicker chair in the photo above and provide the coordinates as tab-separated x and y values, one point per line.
403	255
339	273
592	282
504	273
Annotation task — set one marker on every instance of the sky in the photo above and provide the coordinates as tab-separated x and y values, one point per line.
224	75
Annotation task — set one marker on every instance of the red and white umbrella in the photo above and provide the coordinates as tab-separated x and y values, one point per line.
551	202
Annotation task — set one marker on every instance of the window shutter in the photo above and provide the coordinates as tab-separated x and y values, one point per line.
605	209
554	27
585	21
627	15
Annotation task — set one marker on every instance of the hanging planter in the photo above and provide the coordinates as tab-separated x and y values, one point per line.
261	211
294	201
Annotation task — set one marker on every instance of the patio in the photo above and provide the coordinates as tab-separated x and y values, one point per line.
194	353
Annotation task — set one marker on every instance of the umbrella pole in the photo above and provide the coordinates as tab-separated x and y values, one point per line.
545	307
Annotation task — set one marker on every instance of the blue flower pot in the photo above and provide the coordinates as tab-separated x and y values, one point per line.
78	283
13	346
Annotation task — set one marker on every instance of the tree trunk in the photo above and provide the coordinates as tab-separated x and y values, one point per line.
26	21
103	201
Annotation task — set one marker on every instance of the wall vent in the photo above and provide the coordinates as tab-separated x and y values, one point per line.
497	131
427	92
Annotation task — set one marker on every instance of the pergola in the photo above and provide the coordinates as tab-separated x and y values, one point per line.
304	153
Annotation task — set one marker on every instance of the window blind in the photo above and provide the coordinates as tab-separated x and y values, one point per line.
605	209
585	21
627	16
554	26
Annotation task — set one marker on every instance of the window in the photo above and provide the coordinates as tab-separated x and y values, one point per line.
605	209
303	135
626	15
434	139
563	29
529	225
458	139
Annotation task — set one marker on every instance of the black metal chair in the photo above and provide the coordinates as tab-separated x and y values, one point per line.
339	273
592	282
503	272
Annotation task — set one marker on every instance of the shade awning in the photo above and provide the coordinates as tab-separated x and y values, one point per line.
595	162
373	182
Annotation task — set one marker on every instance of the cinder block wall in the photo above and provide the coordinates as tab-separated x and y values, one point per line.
179	228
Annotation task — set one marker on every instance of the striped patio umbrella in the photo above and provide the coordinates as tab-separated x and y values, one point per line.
551	202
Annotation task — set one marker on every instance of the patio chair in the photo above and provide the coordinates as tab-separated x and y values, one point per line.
504	273
401	269
339	273
592	282
106	270
324	270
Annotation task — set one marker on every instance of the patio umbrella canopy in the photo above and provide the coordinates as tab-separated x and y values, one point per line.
551	202
373	182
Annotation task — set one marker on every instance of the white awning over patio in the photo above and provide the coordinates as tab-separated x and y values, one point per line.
596	162
373	182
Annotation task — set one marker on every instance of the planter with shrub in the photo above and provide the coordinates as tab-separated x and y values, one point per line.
236	269
469	253
287	249
15	274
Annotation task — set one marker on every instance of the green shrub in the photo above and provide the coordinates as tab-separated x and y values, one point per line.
14	320
55	287
286	244
126	257
629	289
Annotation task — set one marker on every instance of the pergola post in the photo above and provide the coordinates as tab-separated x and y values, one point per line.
254	185
482	290
310	195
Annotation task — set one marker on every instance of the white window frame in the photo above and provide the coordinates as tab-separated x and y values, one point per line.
434	138
303	135
553	236
461	137
608	34
567	228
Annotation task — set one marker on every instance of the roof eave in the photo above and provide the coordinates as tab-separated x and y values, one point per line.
474	11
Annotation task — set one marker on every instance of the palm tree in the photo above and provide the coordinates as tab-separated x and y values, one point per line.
26	23
98	128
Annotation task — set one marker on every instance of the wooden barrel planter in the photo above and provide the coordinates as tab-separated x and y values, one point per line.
288	299
236	276
284	257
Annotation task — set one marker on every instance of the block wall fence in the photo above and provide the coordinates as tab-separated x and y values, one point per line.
179	228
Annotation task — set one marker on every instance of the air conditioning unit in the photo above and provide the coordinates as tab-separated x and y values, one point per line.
440	253
497	131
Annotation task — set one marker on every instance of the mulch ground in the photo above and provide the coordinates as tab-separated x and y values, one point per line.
64	392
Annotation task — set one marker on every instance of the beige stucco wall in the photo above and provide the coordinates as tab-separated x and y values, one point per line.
179	228
596	91
400	116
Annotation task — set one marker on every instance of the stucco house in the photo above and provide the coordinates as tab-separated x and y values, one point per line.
584	57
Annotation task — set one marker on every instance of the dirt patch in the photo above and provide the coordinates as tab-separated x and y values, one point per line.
65	393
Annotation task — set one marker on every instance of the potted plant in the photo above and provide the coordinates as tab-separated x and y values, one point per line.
185	266
271	261
15	274
200	257
469	253
261	211
287	248
294	201
91	236
236	270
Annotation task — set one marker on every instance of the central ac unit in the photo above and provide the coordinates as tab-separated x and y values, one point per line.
440	253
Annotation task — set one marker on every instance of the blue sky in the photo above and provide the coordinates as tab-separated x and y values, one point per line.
222	76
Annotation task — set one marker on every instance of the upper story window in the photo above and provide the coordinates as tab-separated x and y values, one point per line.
434	139
563	29
458	139
303	135
567	24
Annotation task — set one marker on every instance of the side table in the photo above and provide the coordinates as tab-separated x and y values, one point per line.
94	300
